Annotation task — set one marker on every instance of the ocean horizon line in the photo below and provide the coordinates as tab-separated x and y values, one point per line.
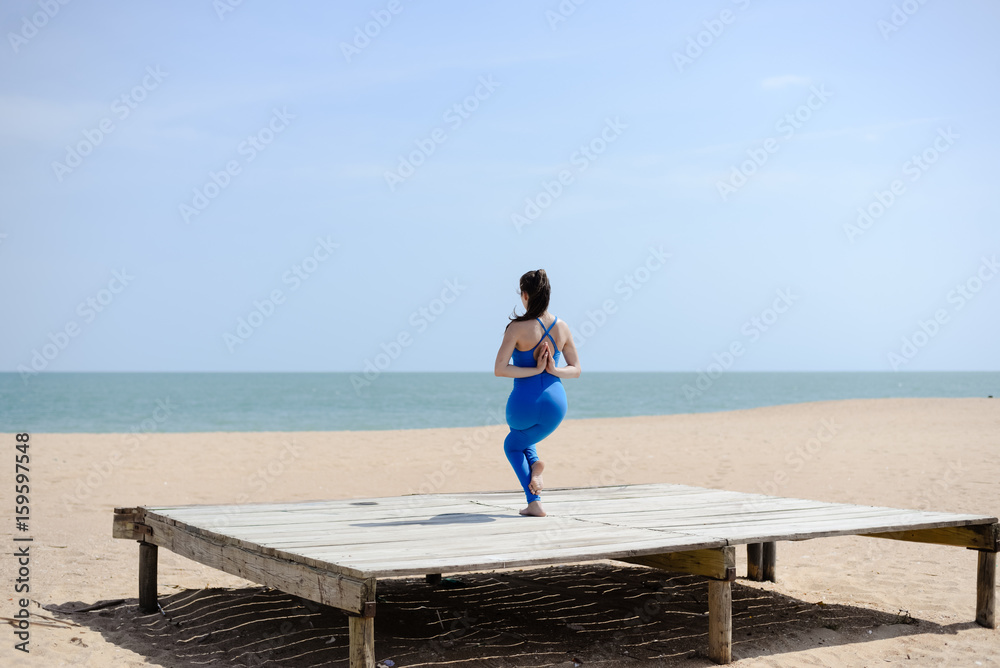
113	402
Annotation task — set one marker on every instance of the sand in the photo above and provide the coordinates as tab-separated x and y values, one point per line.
838	601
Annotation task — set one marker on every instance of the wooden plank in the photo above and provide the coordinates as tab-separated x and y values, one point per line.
347	515
792	516
720	621
414	500
639	491
491	525
124	525
454	543
986	590
981	536
132	510
418	566
760	533
624	545
567	493
147	578
719	563
755	562
348	594
587	507
533	530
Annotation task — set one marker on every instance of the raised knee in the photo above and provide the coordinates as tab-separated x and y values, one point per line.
515	442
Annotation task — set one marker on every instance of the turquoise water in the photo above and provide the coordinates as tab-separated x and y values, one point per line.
185	402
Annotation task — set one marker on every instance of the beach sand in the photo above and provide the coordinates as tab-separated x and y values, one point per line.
847	601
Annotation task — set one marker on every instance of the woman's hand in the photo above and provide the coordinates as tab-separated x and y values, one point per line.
543	358
550	367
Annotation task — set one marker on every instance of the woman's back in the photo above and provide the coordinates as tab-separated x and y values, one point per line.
530	335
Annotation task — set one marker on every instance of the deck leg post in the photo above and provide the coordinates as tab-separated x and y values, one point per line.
755	562
432	578
362	641
770	557
986	590
147	577
720	621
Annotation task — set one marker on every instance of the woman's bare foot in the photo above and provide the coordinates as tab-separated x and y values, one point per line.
534	508
535	486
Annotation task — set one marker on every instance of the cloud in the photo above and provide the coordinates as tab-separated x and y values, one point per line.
785	80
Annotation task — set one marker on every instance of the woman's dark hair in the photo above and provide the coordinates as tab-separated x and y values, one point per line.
536	284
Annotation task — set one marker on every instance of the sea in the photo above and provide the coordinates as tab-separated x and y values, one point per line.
210	402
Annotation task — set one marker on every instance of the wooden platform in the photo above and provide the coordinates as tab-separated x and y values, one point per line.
333	552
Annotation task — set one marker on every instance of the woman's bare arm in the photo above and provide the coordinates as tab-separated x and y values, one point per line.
572	368
502	366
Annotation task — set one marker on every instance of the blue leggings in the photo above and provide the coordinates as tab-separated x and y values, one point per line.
535	408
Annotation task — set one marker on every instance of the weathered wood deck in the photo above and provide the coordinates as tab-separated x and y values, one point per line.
333	552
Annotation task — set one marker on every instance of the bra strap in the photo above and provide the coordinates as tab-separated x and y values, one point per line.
547	330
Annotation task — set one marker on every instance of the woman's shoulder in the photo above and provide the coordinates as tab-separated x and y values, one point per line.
520	326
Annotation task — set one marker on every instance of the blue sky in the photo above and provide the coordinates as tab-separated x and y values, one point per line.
689	175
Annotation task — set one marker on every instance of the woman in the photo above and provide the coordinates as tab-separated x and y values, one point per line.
537	404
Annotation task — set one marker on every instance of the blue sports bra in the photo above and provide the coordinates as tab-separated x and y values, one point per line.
527	357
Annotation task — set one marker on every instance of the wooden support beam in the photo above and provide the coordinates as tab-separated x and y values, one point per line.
147	578
755	562
717	563
769	559
362	641
986	590
720	621
977	536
